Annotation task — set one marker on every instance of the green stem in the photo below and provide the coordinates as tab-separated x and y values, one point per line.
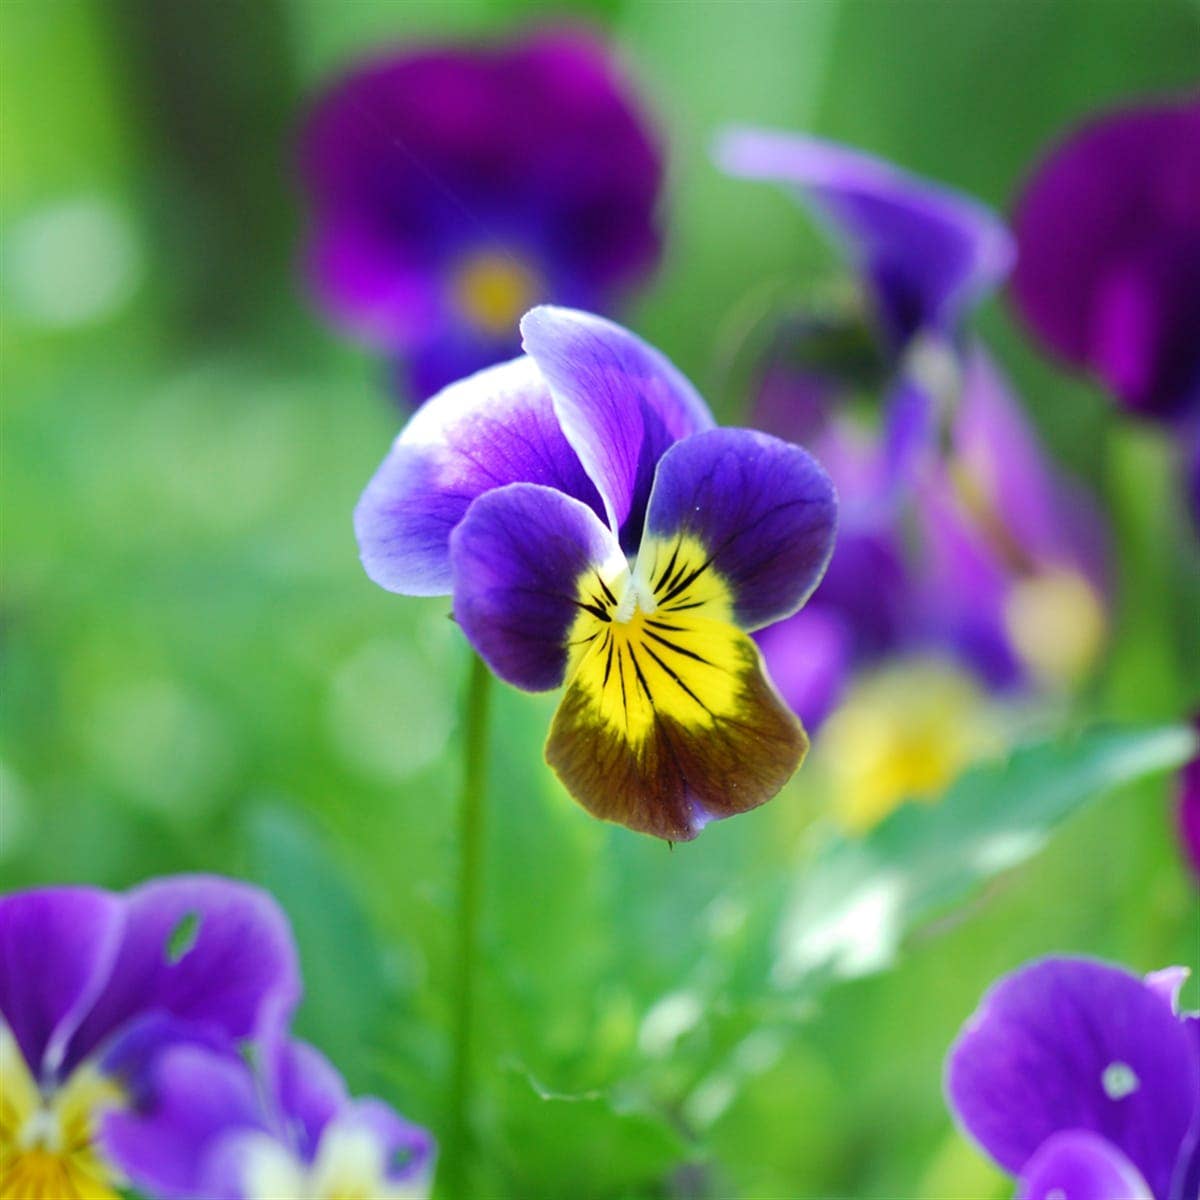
459	1147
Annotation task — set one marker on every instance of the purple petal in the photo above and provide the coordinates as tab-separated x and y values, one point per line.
1071	1044
764	511
198	948
308	1090
808	659
57	948
1081	1166
495	428
620	402
928	252
527	561
1109	270
198	1098
408	1149
133	1054
1192	478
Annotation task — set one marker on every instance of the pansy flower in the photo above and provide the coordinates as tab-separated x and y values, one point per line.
1013	573
596	530
453	188
1083	1080
91	982
210	1126
1109	271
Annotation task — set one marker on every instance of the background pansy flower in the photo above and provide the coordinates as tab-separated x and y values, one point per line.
91	982
596	530
1109	270
1083	1080
453	188
211	1126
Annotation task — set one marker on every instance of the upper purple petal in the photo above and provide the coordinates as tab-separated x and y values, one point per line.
1072	1044
520	556
764	510
200	948
927	252
57	948
494	428
1109	269
540	145
1078	1165
197	1097
619	401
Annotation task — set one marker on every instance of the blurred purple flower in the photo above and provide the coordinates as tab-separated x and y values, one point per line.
1083	1080
92	983
209	1127
596	530
451	189
1108	274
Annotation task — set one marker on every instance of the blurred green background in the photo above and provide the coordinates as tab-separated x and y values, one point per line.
198	676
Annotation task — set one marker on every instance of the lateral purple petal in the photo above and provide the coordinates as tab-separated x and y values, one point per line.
620	402
1079	1165
197	1097
929	253
1109	268
1072	1044
57	947
495	428
200	948
521	558
307	1090
764	510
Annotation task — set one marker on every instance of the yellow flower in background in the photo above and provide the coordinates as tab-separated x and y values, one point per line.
904	733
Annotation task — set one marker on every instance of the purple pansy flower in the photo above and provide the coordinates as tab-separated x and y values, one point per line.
91	981
1109	269
595	529
1083	1080
211	1127
453	188
1013	566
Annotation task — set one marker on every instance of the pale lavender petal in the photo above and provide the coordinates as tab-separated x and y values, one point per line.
408	1149
928	252
764	510
57	948
1078	1165
528	561
1072	1044
200	948
495	428
620	402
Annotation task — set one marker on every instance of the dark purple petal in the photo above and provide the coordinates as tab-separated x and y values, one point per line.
199	948
133	1053
307	1090
527	562
764	511
928	252
198	1097
620	402
539	149
1071	1044
1081	1166
1109	270
57	948
808	659
495	428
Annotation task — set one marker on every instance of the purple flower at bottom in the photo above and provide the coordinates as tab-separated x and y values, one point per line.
211	1127
1108	274
453	188
91	983
1083	1080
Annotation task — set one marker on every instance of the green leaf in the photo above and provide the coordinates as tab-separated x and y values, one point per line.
860	898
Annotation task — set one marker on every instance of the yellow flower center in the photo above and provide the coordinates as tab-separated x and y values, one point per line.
47	1144
493	290
1057	624
903	734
